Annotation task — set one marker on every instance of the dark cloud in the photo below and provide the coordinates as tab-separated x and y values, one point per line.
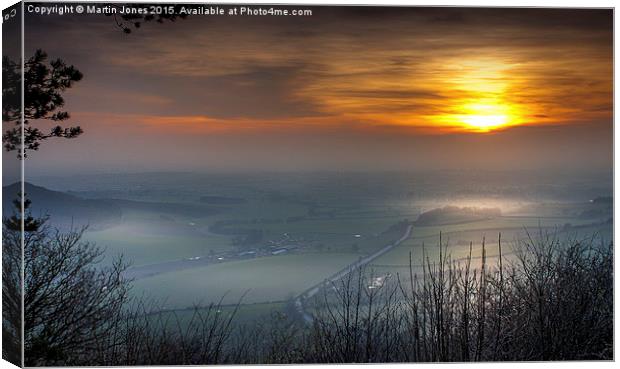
260	92
393	94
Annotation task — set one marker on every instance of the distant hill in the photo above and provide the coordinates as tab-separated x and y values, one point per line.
455	215
63	209
66	209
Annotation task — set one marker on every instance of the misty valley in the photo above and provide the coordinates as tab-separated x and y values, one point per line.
265	240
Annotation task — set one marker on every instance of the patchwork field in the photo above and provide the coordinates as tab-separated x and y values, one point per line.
268	238
271	279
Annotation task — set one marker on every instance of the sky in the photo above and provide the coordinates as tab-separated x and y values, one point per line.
348	88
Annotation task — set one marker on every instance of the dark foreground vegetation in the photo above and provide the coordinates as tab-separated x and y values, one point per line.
552	301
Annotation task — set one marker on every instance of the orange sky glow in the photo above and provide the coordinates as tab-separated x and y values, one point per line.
488	70
344	80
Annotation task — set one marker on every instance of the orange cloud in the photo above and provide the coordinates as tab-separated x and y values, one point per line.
483	70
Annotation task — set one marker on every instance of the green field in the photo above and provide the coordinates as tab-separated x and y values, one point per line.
327	228
423	246
143	246
247	315
268	279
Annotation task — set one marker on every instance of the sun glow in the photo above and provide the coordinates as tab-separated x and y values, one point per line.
481	117
485	117
485	122
479	97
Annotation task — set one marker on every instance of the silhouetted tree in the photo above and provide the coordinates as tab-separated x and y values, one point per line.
70	299
12	286
44	83
128	21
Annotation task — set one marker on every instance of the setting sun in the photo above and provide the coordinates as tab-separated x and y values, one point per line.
485	122
485	117
480	96
480	117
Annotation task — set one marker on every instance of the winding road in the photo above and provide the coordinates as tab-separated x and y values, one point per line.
310	292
